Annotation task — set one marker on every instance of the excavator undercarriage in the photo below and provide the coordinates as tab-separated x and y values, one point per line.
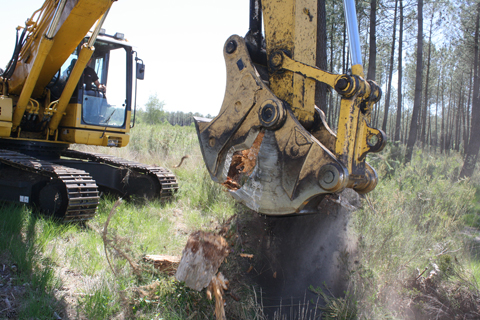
67	183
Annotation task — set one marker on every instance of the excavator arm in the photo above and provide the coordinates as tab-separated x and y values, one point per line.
269	143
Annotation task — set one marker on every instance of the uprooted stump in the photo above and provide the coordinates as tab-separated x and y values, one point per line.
201	258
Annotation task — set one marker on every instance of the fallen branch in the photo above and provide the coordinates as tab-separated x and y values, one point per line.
105	232
113	242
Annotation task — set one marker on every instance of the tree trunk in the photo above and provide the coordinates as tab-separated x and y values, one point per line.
399	102
412	137
331	107
344	68
390	71
435	145
405	134
467	125
474	142
372	57
457	122
442	133
426	104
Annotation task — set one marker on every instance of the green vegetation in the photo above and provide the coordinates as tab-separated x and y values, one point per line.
415	252
419	217
63	269
154	113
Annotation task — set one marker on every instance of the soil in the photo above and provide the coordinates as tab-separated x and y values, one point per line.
10	293
280	257
13	292
294	253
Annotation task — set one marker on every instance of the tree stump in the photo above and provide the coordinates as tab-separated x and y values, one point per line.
201	258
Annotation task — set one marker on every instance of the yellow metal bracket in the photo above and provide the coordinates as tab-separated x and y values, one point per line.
354	137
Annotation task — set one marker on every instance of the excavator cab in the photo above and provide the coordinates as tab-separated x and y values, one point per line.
111	65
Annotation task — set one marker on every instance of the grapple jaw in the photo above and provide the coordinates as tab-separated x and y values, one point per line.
260	151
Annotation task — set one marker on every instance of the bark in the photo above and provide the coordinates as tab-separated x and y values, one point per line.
405	134
464	125
457	122
399	102
390	71
467	117
426	104
412	137
442	133
435	144
474	142
372	58
344	67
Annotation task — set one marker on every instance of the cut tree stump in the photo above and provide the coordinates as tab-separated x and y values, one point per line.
201	258
164	263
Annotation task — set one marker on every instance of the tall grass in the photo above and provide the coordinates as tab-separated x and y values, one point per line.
31	267
71	259
412	221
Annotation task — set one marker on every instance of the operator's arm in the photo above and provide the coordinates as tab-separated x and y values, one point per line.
100	86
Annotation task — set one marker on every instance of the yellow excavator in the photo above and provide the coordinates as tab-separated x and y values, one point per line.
269	144
53	95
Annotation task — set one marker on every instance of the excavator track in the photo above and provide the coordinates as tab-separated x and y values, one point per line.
167	179
81	191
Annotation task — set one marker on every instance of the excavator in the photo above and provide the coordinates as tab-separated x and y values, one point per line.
47	104
270	144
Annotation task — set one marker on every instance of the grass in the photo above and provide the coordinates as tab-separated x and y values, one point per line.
23	241
414	221
419	216
52	256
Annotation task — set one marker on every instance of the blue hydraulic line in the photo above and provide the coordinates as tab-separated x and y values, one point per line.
352	27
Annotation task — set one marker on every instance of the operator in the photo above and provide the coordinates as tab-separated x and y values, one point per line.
90	78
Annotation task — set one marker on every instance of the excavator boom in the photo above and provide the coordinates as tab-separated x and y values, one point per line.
269	144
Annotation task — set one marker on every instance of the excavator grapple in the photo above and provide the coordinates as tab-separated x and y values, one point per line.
269	144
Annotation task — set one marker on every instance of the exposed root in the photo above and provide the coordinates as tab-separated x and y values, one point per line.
217	286
113	242
444	295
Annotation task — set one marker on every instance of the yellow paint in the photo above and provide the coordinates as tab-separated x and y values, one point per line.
291	26
31	81
346	132
5	116
358	70
81	16
309	71
96	137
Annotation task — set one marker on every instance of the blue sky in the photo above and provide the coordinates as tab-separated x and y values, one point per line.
180	42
